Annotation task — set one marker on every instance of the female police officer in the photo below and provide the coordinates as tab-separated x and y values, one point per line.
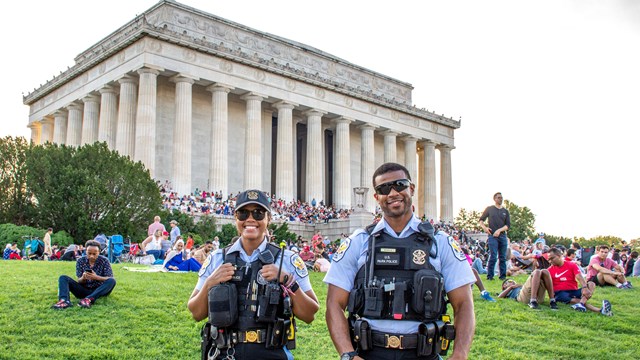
258	324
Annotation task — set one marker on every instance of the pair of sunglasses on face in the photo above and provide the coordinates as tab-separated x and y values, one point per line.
257	214
397	185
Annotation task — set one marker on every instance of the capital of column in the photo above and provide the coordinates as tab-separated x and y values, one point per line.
90	98
219	87
183	78
427	143
59	113
342	120
314	112
367	126
108	89
253	96
408	138
390	133
284	105
150	69
47	120
34	124
74	106
445	147
127	79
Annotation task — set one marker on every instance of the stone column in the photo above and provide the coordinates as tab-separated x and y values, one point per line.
145	148
47	130
182	134
60	127
253	142
430	197
36	128
74	124
410	161
367	164
420	181
390	146
446	186
342	172
315	161
125	138
108	116
90	121
284	154
219	168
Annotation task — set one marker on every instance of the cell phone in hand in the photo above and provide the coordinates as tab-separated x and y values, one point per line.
89	271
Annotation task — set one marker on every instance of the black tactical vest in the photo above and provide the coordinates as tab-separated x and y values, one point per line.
397	281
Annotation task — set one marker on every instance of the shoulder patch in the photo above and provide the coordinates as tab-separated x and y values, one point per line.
455	248
341	250
299	265
205	265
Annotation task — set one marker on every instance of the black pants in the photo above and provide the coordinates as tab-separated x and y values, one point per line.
379	353
66	284
256	352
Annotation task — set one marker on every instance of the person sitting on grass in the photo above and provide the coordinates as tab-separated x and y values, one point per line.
565	276
483	292
179	260
153	244
532	292
604	271
11	252
95	279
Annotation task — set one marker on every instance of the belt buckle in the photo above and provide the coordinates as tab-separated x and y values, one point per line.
251	336
393	341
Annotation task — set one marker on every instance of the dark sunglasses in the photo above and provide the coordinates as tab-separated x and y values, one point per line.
397	185
257	214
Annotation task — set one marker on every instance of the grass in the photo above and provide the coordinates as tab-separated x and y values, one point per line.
146	318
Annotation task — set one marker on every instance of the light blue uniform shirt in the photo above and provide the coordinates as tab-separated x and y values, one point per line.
292	264
449	261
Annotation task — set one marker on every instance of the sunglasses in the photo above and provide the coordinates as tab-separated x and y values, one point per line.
257	214
397	185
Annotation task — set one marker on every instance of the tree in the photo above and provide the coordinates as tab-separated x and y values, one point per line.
90	190
468	220
522	221
15	198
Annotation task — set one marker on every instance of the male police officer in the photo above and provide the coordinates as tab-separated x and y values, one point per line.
258	324
377	272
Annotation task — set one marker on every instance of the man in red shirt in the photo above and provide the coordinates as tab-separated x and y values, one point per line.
604	271
565	276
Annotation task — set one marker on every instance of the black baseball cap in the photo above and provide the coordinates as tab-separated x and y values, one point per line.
253	197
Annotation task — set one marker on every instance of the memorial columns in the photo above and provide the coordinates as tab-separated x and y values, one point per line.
253	142
429	175
74	124
60	127
315	161
91	118
390	152
145	148
219	167
46	134
367	162
342	171
410	160
182	134
108	116
284	155
35	132
446	186
125	138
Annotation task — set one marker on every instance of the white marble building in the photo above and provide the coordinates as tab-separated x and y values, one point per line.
211	104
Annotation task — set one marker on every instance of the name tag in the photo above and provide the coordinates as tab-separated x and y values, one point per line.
387	259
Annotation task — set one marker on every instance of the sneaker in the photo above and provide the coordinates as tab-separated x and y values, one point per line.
534	305
485	295
62	304
606	308
626	286
553	305
85	303
629	286
579	307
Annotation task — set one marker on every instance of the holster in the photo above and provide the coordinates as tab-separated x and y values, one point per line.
221	338
207	342
449	334
427	333
362	335
373	301
277	333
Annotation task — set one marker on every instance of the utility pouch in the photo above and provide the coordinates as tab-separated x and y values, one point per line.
222	339
426	339
362	335
355	300
399	304
428	293
266	308
277	334
373	302
440	336
449	336
206	342
223	305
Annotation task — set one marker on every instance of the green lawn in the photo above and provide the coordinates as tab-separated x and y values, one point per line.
146	318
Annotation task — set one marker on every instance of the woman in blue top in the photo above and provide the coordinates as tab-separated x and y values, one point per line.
179	260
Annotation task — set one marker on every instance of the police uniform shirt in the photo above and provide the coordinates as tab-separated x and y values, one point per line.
351	255
292	264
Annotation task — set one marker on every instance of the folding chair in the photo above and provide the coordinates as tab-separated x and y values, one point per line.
116	248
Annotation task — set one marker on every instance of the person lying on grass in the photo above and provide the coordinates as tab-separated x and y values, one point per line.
179	260
95	279
533	290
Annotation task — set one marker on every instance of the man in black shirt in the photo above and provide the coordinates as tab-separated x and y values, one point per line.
499	223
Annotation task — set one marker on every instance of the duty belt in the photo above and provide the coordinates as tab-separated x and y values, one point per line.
394	341
257	336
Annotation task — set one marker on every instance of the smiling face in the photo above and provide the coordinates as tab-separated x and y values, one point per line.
395	204
252	229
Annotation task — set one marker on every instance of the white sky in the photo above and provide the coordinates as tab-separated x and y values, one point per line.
548	90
